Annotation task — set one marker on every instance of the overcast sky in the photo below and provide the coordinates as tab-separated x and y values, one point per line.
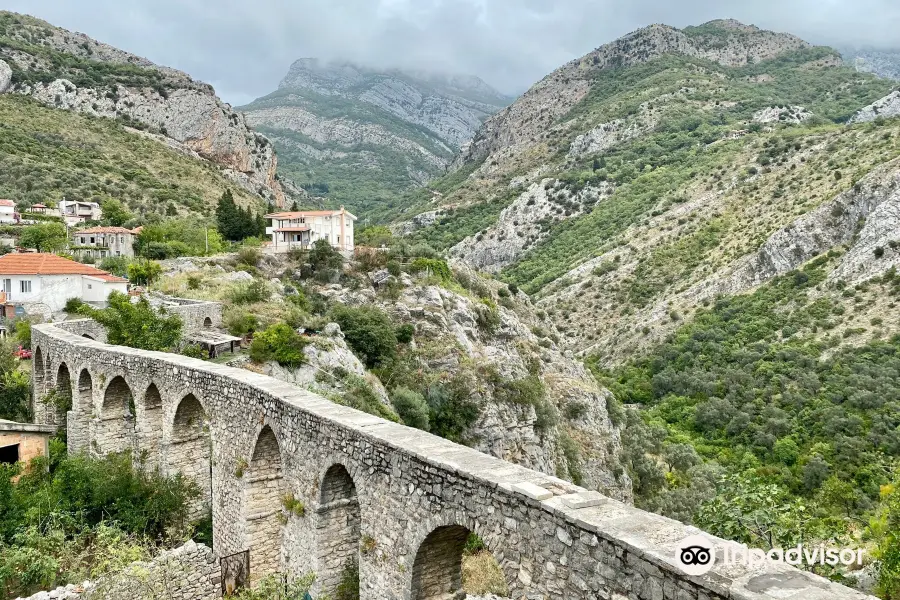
244	47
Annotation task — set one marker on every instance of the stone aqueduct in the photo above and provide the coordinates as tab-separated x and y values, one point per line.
396	502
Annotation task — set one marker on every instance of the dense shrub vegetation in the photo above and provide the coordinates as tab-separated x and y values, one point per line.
759	431
70	518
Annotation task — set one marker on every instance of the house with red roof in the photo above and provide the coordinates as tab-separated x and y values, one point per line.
38	282
300	229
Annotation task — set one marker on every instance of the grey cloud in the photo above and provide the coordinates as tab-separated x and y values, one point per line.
244	47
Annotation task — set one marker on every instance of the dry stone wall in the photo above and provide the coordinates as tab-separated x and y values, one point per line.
190	572
292	475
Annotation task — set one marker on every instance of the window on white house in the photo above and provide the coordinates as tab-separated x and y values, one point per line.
92	240
25	287
90	286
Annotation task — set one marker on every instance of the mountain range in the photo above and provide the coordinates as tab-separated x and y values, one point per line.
360	136
707	217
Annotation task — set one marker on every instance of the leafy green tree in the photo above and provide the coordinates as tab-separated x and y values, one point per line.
117	265
322	256
762	515
369	333
136	325
178	237
15	385
45	237
411	407
375	236
115	213
144	272
71	517
281	344
681	457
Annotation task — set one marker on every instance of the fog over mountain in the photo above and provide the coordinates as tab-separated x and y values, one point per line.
244	48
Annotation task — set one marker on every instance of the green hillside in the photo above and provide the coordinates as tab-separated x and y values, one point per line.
48	154
762	399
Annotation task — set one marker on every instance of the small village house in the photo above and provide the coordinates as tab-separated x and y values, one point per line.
74	212
300	229
7	211
41	283
103	242
21	442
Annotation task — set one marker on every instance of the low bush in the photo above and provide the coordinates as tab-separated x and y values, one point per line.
369	333
251	293
411	407
281	344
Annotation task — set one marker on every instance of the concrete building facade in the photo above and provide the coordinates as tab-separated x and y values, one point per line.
300	229
103	242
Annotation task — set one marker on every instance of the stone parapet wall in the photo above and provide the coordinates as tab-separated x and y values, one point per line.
196	314
298	480
190	572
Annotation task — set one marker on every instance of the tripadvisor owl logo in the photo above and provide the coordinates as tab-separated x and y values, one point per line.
696	555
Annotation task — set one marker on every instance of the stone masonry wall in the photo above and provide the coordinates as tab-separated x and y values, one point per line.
190	572
196	314
415	495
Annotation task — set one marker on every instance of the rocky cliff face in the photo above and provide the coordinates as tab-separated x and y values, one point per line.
337	123
71	71
881	62
572	434
886	107
535	404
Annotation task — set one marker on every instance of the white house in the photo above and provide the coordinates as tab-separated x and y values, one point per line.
7	211
300	229
34	279
74	212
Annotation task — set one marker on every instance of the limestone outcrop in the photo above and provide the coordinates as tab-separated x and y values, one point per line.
886	107
5	77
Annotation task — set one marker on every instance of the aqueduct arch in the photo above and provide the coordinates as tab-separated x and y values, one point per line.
64	392
262	505
338	530
419	497
190	448
116	429
150	427
37	379
84	400
437	570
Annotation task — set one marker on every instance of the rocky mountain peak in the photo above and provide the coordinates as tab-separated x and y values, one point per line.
726	42
386	130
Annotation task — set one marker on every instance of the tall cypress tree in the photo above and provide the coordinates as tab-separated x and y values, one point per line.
228	217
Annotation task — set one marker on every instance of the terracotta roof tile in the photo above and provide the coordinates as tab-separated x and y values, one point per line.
37	263
7	203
